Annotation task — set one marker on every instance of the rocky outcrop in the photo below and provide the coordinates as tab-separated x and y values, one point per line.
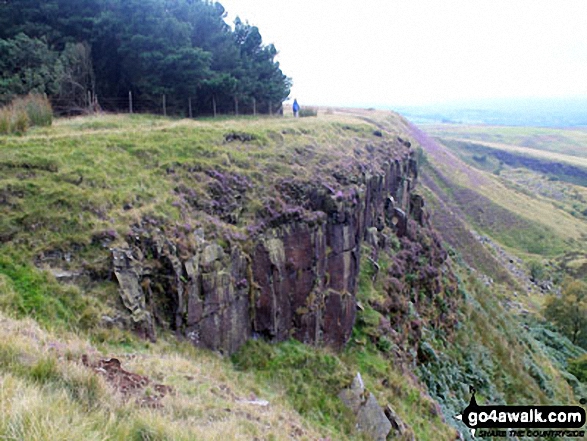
295	276
204	298
370	417
128	271
399	428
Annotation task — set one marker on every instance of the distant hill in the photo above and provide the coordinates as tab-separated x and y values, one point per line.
536	112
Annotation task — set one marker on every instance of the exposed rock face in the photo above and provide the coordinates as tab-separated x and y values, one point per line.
128	273
295	277
205	297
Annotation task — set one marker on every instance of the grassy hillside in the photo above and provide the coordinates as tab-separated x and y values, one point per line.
572	141
517	224
47	393
429	323
545	154
505	225
70	192
548	194
535	225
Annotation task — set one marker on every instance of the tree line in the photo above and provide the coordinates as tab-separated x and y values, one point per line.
77	50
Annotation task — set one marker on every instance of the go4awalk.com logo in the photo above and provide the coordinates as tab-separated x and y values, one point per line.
520	421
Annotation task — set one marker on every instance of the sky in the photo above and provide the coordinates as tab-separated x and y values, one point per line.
384	53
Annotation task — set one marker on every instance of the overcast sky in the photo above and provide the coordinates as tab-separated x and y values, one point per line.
414	52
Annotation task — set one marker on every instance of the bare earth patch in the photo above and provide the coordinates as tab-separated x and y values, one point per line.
129	384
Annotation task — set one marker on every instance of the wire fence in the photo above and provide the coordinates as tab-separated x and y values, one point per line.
162	105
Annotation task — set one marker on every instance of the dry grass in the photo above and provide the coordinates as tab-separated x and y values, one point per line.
47	394
13	120
31	110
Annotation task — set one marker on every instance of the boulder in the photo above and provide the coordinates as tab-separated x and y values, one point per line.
370	417
400	428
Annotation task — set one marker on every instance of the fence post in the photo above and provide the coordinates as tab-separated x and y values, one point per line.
236	105
270	110
164	106
90	102
254	106
214	105
130	102
190	106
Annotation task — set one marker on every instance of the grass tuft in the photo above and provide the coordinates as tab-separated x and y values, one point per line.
18	116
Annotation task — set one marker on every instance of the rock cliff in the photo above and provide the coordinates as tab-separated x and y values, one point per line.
295	275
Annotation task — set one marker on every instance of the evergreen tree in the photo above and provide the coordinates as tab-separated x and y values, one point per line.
180	48
27	65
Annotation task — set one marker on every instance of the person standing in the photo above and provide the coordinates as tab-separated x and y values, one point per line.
296	108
